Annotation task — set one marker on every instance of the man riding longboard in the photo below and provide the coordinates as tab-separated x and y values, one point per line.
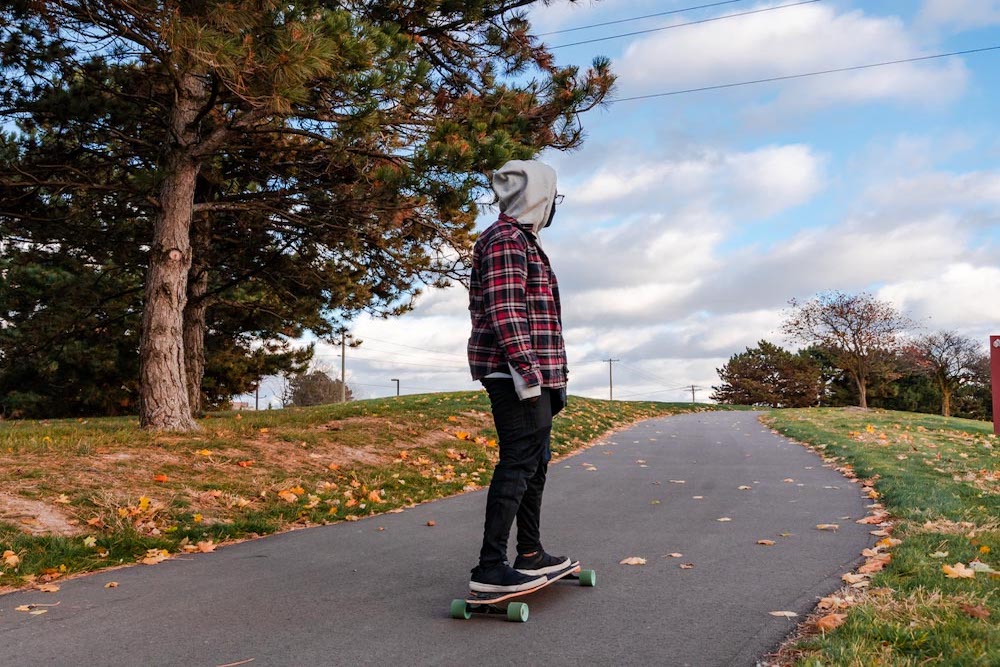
516	349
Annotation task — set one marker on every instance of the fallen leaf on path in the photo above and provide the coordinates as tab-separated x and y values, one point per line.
39	612
697	497
654	502
111	584
888	542
873	519
766	543
783	614
879	533
872	566
687	566
432	523
979	566
632	560
48	588
830	622
744	487
206	546
677	481
853	578
827	526
154	556
675	555
977	611
11	559
788	480
958	571
724	519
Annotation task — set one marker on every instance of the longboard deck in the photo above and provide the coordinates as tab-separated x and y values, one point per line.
480	598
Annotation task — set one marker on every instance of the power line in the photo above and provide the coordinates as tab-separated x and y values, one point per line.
681	25
801	76
421	349
636	18
389	360
647	375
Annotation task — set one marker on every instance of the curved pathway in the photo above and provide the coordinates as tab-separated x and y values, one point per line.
352	594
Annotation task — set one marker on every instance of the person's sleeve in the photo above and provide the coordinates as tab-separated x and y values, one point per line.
504	269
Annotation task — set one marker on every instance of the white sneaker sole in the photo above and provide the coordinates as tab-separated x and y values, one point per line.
547	570
496	588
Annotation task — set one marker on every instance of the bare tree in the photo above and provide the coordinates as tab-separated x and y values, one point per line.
859	331
950	359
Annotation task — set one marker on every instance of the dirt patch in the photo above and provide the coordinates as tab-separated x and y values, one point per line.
35	517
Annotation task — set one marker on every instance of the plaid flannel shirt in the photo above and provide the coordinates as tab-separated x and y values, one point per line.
514	303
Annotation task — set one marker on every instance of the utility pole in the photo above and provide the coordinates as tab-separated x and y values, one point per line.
256	398
397	385
343	360
693	389
611	379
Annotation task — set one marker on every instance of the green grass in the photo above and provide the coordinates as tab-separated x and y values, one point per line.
131	491
940	480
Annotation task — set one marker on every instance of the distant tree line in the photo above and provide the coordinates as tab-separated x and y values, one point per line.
858	352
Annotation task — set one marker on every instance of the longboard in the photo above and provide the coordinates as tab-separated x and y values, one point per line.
493	603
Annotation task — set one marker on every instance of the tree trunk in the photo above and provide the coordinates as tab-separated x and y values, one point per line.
163	395
194	313
862	392
945	401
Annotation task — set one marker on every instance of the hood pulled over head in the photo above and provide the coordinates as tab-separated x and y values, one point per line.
526	190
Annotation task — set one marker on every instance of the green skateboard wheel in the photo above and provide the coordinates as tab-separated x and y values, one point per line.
517	612
588	578
459	609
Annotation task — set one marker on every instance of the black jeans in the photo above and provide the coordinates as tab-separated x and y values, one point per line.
523	430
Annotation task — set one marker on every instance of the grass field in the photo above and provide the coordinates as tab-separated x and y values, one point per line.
81	495
939	481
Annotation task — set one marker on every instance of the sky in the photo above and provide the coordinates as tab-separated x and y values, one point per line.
691	220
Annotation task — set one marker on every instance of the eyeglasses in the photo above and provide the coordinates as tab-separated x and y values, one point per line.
559	199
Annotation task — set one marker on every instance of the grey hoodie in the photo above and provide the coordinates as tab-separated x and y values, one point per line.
526	190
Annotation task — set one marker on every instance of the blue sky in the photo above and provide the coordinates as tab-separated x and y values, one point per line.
691	220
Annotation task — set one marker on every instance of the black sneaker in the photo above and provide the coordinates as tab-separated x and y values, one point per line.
502	578
540	564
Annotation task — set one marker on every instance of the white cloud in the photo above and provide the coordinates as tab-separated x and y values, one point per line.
960	14
961	297
787	42
756	183
972	191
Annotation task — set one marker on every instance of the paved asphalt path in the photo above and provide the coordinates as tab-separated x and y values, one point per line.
350	594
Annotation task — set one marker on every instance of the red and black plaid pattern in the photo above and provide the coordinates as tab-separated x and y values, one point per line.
514	303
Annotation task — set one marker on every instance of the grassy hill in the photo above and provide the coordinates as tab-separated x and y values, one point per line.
80	495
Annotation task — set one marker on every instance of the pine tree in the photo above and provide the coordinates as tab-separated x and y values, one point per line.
348	140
